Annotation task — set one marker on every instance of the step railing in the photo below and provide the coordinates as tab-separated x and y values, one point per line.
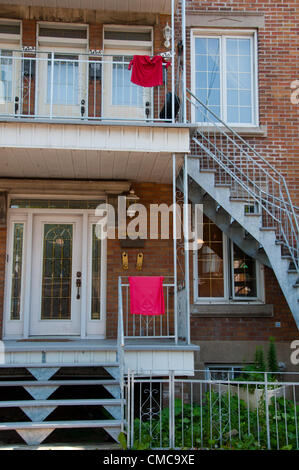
147	326
249	175
78	86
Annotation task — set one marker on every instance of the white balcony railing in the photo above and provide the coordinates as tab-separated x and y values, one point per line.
85	87
147	326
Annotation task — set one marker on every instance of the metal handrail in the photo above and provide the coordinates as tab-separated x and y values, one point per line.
121	350
277	205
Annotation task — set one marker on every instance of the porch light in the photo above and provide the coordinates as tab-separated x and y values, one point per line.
167	35
131	199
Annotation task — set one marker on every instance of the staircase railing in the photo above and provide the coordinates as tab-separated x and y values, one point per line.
250	176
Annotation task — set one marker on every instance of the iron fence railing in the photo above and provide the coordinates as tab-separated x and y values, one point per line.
78	86
251	412
249	175
148	326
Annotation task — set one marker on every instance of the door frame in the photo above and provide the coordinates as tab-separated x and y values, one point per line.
16	329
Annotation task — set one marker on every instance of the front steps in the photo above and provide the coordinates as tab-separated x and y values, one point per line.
244	229
43	400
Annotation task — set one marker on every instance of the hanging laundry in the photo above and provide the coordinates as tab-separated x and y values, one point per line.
146	295
147	71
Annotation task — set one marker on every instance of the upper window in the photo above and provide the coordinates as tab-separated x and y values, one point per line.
224	77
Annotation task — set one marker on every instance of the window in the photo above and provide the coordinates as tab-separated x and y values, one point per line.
223	372
223	272
16	271
224	77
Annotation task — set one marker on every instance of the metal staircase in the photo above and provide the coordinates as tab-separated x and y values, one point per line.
38	395
246	196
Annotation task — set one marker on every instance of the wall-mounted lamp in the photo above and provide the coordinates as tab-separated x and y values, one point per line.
131	199
167	32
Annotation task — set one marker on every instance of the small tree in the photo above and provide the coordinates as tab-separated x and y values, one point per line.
259	360
272	357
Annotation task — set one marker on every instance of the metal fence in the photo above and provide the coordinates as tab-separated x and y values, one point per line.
254	411
64	86
148	326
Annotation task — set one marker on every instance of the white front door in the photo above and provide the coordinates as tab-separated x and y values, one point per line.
56	276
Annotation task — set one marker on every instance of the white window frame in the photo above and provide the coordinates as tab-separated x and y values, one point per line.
228	278
223	35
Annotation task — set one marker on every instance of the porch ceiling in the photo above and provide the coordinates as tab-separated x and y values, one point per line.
147	6
86	164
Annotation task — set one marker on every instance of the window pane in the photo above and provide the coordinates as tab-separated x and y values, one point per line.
244	274
239	81
96	275
55	203
17	260
210	262
207	75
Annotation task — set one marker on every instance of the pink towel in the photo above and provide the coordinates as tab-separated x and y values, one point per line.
146	295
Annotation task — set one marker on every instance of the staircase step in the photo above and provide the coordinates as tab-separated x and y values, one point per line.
58	383
61	424
60	365
265	229
77	402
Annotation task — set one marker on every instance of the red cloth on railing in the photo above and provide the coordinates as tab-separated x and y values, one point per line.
147	71
146	295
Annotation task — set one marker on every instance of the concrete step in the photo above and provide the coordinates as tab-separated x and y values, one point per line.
77	402
110	423
58	383
60	365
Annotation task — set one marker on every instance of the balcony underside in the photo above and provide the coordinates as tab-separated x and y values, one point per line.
147	6
81	164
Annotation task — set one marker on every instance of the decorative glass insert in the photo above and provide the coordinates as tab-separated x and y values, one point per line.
5	76
96	275
65	79
124	92
244	274
54	203
57	272
17	262
210	262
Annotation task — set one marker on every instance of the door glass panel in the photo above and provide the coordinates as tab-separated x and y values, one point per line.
65	79
124	92
96	275
57	272
17	259
5	76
